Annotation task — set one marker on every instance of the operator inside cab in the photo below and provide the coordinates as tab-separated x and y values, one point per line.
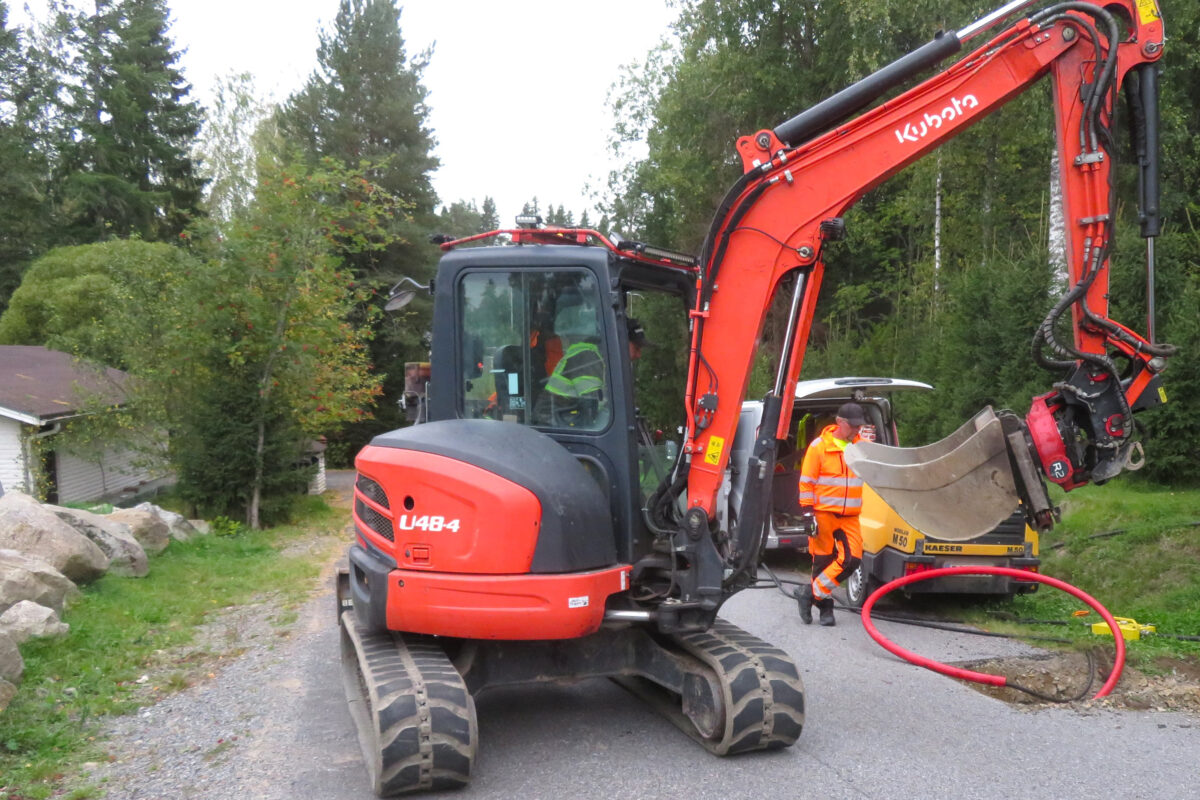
575	394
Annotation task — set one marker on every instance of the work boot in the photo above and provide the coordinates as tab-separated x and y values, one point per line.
804	599
826	607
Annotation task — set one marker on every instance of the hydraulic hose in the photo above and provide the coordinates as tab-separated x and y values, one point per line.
984	677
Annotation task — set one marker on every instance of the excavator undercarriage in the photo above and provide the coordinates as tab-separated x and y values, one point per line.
412	696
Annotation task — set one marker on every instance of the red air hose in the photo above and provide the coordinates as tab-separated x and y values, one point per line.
983	677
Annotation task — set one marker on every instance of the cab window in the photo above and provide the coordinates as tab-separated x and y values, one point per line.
533	349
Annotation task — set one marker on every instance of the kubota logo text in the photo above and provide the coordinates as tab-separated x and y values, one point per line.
918	129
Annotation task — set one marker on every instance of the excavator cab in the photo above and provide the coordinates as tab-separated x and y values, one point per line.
536	335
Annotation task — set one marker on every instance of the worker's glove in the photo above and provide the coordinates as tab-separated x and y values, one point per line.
807	521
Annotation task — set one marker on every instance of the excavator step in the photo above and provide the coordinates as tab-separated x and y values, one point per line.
415	718
752	697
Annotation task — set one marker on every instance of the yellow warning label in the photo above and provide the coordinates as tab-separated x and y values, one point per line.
712	455
1162	394
1148	11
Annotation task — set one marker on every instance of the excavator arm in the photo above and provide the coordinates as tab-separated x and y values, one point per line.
800	178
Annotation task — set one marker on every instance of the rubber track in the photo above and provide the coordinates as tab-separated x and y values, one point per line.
416	721
763	692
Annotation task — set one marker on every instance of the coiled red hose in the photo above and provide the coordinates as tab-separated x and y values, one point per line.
984	677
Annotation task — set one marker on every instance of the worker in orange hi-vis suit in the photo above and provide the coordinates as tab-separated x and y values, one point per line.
830	502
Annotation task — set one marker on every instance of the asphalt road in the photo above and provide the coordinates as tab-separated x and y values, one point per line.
876	728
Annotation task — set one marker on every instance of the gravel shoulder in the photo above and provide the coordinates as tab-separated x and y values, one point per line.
258	719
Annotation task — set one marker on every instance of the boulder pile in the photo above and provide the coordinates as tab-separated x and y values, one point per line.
47	552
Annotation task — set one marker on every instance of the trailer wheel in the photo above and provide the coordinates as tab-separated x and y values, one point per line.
859	587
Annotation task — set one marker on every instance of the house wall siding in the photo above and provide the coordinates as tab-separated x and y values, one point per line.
12	455
82	481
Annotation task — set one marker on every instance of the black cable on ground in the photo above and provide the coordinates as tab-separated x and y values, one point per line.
1117	532
1091	659
777	582
960	629
945	625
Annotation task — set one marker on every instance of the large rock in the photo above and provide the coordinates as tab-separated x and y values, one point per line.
177	525
30	528
23	577
150	531
27	620
126	556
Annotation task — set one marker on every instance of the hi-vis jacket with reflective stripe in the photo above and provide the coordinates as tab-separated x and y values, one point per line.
826	483
579	373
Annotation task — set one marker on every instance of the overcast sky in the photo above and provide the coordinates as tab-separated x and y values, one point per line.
517	89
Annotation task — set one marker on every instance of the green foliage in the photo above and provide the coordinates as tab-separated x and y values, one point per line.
463	218
228	155
95	132
224	526
265	357
1107	538
219	460
123	628
946	269
89	300
24	203
249	352
660	373
365	103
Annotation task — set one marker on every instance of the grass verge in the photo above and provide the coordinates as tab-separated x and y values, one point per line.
122	626
1135	547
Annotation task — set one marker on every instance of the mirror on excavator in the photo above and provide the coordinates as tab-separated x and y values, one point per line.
962	486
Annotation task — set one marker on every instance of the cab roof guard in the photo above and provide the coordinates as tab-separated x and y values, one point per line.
624	248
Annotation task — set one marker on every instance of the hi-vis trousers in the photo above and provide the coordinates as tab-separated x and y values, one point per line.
836	551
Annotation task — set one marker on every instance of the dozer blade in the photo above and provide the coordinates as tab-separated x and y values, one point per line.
956	489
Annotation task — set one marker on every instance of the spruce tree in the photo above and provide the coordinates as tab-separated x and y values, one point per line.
364	106
491	219
24	222
129	169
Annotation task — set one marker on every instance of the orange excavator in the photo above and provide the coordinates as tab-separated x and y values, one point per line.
529	529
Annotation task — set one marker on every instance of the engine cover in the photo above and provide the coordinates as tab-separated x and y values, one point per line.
481	497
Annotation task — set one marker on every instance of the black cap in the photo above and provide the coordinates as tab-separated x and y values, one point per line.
852	413
637	334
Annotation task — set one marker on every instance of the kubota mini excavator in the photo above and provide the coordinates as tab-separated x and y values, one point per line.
508	540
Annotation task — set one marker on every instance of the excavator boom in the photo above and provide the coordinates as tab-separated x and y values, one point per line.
799	180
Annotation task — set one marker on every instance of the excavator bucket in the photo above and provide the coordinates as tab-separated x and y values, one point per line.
956	489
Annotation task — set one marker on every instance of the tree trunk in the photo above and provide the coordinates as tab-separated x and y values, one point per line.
1058	227
937	228
256	489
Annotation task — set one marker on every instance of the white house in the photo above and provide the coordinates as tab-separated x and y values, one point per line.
40	390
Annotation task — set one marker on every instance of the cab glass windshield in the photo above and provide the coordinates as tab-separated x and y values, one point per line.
533	349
